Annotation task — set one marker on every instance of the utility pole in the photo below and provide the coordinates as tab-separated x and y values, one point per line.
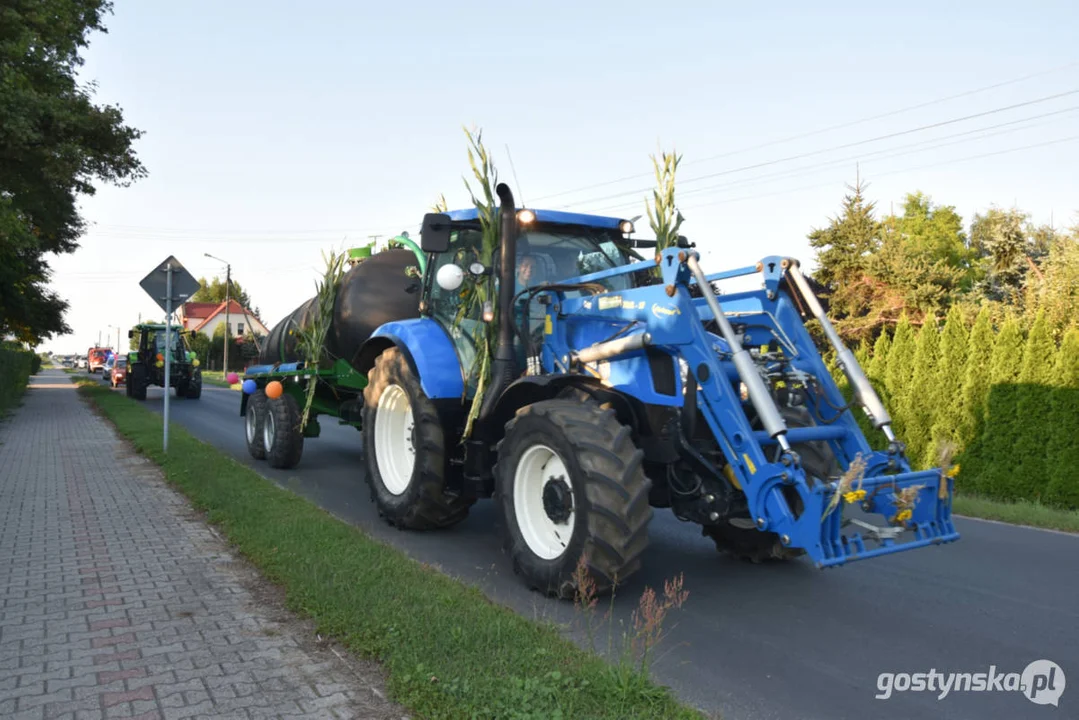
228	284
228	297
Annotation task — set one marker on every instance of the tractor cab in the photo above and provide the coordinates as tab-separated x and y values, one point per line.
551	246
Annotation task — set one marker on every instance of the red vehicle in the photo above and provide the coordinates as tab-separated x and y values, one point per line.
95	359
118	371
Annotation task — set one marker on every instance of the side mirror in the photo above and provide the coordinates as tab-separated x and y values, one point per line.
435	233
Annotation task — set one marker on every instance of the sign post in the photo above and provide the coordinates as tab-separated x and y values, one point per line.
177	284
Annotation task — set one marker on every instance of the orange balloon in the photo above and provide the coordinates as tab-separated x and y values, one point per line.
160	356
274	389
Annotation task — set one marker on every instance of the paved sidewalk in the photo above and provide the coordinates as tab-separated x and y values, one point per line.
117	601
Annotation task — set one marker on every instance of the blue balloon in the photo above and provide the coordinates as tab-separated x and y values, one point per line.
249	386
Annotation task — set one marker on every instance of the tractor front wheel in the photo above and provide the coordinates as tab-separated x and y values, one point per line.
405	449
194	385
281	435
570	484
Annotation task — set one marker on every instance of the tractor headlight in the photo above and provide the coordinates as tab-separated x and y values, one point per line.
625	226
526	216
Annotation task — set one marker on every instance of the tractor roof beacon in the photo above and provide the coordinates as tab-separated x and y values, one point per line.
619	384
146	364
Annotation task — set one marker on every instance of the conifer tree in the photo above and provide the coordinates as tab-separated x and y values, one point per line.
976	380
1002	427
947	390
1032	407
900	370
918	402
878	364
1062	450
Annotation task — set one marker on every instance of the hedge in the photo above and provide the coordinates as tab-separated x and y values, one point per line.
16	367
1006	401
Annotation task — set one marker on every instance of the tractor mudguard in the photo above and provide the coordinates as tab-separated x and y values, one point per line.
428	350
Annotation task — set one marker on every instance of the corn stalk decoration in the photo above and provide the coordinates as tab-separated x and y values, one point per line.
311	340
478	294
663	216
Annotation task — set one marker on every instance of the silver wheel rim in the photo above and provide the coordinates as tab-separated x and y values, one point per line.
546	537
268	431
394	453
251	423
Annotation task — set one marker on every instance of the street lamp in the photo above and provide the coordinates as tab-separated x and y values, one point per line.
117	337
228	284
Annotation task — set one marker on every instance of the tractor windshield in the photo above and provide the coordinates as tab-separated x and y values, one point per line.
551	255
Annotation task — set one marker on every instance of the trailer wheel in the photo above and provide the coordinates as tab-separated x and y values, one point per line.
193	391
569	482
756	546
138	381
254	422
405	449
281	435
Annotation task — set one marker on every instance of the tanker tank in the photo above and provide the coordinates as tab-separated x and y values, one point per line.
374	292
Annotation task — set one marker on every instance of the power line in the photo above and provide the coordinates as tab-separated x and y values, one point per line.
892	172
885	153
830	128
811	153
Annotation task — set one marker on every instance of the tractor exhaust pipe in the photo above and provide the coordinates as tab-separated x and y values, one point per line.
863	389
503	368
747	370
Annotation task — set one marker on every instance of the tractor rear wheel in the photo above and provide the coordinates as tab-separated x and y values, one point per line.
744	541
254	421
570	483
405	449
138	380
281	434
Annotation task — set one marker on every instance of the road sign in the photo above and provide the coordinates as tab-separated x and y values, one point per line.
184	284
169	284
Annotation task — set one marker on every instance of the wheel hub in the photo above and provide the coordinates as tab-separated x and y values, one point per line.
557	500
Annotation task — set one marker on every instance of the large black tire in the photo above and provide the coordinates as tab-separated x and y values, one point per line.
194	385
755	546
254	421
601	513
138	381
407	481
281	435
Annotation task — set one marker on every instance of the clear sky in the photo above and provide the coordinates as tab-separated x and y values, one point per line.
277	130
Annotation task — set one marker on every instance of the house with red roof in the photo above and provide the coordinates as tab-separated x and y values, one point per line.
207	317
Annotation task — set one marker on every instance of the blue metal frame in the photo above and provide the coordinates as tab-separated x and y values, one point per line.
675	326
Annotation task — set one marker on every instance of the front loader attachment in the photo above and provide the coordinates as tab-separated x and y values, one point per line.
874	504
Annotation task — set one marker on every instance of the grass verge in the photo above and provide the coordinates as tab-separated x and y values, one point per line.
448	651
1023	512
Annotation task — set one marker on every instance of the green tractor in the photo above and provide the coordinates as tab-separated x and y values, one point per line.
146	365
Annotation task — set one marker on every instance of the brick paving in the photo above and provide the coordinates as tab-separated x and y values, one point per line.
117	601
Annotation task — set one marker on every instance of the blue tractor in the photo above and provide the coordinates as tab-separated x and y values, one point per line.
621	383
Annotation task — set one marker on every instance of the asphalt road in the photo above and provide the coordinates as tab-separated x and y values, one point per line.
764	641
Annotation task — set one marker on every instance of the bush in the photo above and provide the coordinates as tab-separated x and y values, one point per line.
16	366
